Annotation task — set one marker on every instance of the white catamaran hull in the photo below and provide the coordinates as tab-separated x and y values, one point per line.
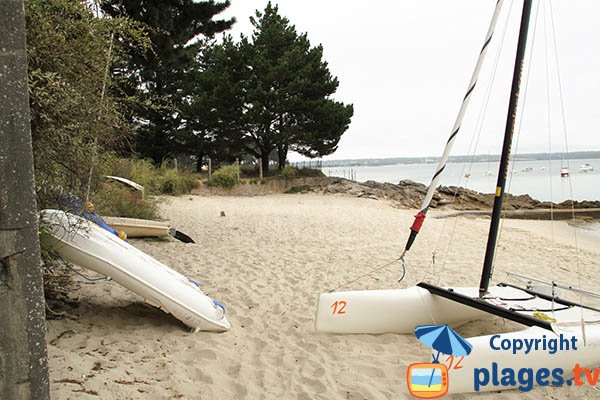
401	310
83	243
488	367
389	311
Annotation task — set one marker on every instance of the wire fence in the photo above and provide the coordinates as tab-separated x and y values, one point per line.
309	164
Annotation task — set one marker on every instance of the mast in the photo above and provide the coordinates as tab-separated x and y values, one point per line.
490	250
420	217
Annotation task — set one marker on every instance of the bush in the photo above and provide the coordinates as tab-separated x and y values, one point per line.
163	180
288	171
117	201
168	181
146	174
225	177
188	181
310	173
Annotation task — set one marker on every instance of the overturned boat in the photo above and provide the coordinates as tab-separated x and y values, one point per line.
83	243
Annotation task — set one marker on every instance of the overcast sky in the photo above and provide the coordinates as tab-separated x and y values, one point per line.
405	65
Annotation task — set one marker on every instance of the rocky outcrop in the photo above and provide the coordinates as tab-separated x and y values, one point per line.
410	194
407	193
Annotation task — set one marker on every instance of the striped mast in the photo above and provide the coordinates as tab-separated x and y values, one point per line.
420	217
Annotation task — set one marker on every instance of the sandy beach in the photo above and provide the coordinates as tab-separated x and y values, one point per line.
267	260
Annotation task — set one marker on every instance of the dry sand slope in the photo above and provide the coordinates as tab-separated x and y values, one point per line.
267	260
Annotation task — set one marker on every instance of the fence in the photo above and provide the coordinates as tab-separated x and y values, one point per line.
310	164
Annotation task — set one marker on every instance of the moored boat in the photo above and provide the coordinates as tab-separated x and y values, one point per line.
586	168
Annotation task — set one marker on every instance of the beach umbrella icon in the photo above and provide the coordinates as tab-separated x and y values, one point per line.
443	339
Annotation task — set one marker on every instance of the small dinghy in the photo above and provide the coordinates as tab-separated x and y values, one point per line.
135	227
84	243
143	228
586	168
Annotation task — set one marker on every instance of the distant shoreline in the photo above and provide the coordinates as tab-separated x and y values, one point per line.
365	162
538	178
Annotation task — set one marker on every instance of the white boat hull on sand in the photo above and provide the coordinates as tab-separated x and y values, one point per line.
479	365
135	227
401	310
389	311
83	243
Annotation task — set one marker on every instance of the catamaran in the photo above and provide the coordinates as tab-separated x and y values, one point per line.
542	313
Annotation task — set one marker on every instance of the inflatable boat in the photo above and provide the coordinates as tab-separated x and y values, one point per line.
84	243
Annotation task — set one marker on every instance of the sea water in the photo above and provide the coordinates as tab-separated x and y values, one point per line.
540	178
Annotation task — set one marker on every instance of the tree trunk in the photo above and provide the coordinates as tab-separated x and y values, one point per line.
23	354
264	159
282	156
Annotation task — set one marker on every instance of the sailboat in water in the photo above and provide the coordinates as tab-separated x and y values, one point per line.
542	313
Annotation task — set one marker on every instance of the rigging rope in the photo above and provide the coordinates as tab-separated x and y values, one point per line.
476	135
444	159
377	269
84	276
549	121
565	134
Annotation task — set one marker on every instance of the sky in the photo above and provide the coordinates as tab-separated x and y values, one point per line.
405	66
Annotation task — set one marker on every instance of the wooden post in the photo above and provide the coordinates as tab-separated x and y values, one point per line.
23	354
209	169
237	164
260	171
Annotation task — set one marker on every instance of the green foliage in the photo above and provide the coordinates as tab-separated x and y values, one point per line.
173	182
225	176
76	117
288	171
93	79
144	173
117	201
163	180
277	90
215	112
160	77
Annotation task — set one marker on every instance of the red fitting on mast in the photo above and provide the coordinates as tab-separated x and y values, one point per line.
418	223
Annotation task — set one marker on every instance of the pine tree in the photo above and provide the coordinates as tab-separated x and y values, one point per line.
286	93
178	30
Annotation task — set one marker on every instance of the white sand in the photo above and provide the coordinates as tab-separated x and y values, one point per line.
267	260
